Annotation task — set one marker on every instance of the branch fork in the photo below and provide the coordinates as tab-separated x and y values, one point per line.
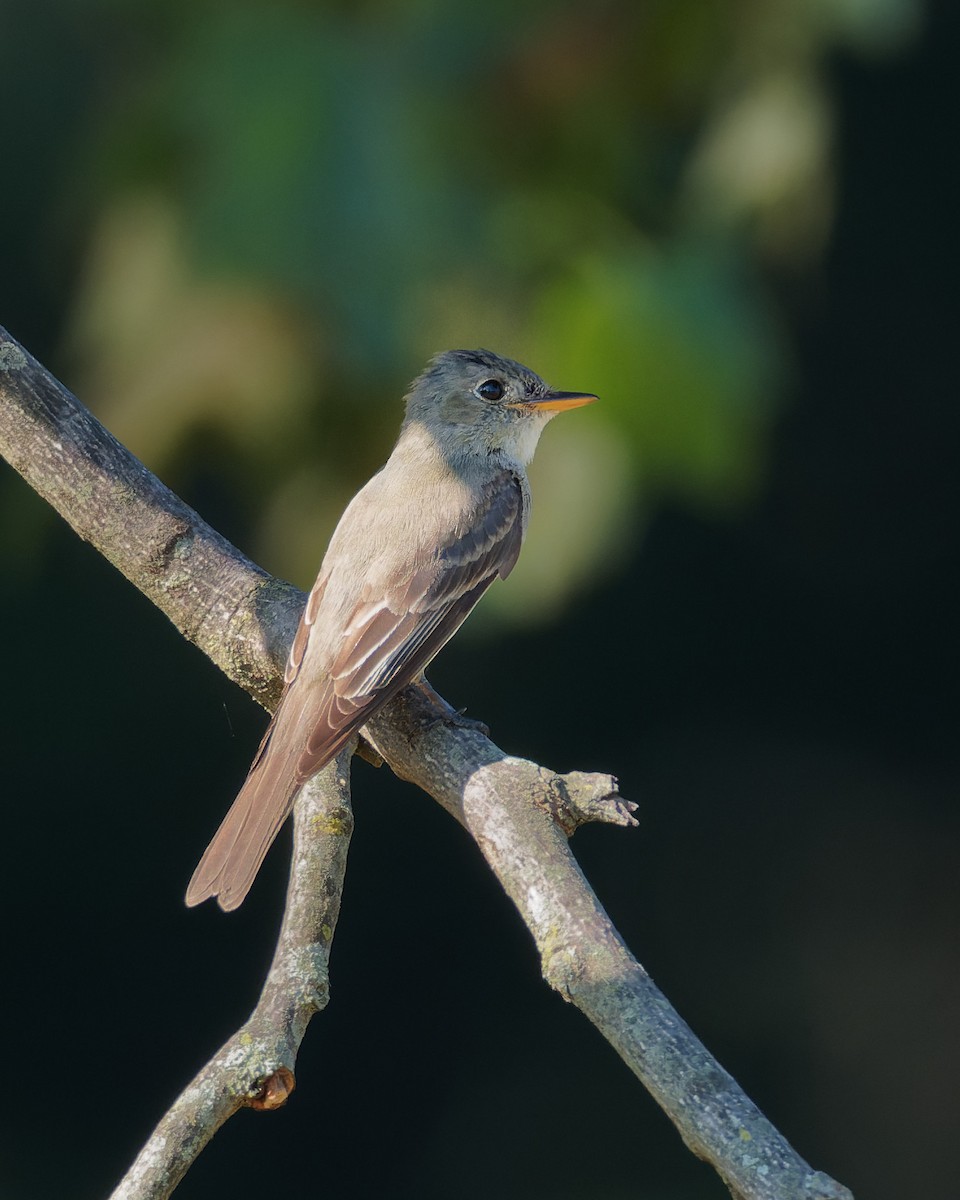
520	815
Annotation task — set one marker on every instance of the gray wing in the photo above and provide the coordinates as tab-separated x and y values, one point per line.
387	642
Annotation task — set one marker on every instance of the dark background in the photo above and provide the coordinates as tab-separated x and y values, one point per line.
770	670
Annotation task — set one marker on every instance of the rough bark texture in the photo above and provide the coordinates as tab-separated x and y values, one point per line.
520	815
255	1067
510	807
238	615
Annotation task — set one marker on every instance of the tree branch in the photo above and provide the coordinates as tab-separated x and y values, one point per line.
240	617
509	806
255	1067
519	814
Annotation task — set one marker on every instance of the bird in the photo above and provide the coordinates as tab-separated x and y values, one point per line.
412	554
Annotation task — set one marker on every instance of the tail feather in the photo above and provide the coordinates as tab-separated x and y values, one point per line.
231	861
308	730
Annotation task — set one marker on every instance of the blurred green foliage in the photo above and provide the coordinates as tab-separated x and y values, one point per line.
237	231
280	211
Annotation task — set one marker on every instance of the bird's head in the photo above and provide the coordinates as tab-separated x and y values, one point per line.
475	402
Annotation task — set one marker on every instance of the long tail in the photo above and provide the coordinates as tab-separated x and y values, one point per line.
231	862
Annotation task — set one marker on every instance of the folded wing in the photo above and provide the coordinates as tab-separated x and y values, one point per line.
387	642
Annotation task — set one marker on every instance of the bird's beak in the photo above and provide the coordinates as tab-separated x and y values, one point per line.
557	401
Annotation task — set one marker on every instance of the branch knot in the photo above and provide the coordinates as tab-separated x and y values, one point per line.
275	1091
578	797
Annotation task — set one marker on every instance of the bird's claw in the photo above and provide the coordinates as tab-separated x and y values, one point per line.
454	719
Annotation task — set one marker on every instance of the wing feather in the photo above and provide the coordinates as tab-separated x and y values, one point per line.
397	637
387	642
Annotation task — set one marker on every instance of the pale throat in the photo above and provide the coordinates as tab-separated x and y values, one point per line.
524	436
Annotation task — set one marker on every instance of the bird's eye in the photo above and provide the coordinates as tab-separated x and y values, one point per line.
492	389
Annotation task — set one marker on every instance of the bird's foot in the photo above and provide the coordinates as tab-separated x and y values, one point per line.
457	720
438	712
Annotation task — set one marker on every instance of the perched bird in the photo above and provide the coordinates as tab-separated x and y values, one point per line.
414	551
